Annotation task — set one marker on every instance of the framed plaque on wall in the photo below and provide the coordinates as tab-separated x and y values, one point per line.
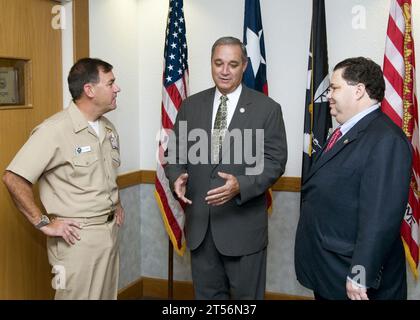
15	83
9	94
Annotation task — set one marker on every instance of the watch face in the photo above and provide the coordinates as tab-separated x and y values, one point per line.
44	221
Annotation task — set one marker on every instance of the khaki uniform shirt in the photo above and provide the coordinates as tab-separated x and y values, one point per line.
76	169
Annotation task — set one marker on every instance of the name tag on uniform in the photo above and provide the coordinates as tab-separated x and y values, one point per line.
84	149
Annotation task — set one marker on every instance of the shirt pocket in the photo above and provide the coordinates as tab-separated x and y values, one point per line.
85	168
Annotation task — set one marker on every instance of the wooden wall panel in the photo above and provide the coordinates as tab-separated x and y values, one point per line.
26	32
80	29
287	184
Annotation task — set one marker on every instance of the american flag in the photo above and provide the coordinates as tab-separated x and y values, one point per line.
175	89
400	104
255	75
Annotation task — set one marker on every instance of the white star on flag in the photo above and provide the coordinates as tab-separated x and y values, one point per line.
253	49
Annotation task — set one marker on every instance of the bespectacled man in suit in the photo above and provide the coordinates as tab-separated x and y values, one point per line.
348	243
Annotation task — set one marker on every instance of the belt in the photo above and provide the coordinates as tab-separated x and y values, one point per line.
89	220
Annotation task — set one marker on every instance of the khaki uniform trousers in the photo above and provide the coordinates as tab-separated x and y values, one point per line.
89	269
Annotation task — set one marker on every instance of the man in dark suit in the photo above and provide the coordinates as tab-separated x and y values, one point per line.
348	241
224	192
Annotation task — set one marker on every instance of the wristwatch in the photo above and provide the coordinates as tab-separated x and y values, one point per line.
44	221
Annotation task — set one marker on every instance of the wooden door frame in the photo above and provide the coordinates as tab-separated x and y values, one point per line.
80	29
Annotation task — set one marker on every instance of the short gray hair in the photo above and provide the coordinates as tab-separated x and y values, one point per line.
230	41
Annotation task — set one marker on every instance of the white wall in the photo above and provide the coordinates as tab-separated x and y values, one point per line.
151	26
130	34
113	38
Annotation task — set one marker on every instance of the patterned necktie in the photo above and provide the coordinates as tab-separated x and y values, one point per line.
334	137
219	128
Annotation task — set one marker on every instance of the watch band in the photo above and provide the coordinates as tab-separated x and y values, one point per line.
43	222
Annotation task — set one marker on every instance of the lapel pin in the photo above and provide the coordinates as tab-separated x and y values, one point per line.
241	110
346	141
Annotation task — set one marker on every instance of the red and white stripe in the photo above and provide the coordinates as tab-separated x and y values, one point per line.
172	212
400	104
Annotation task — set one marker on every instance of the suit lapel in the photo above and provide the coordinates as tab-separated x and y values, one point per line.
207	111
240	116
207	117
355	133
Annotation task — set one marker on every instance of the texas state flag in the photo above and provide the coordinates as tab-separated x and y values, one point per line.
255	75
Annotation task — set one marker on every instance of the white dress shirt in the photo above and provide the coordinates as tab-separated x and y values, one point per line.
346	126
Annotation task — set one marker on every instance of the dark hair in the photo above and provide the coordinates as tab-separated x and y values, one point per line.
230	41
364	70
85	70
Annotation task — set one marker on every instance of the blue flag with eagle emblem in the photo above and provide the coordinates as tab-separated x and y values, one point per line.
318	122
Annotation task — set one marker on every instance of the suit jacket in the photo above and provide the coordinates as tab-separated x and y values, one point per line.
353	203
239	227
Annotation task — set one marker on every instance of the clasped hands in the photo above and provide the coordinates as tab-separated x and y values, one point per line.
216	196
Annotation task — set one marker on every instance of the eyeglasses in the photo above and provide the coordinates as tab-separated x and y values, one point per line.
331	89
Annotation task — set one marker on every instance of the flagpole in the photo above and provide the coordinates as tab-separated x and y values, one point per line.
170	270
175	90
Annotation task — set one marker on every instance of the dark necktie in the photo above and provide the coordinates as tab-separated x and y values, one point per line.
219	128
334	138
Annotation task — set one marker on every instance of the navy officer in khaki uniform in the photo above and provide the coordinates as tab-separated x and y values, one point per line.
74	155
